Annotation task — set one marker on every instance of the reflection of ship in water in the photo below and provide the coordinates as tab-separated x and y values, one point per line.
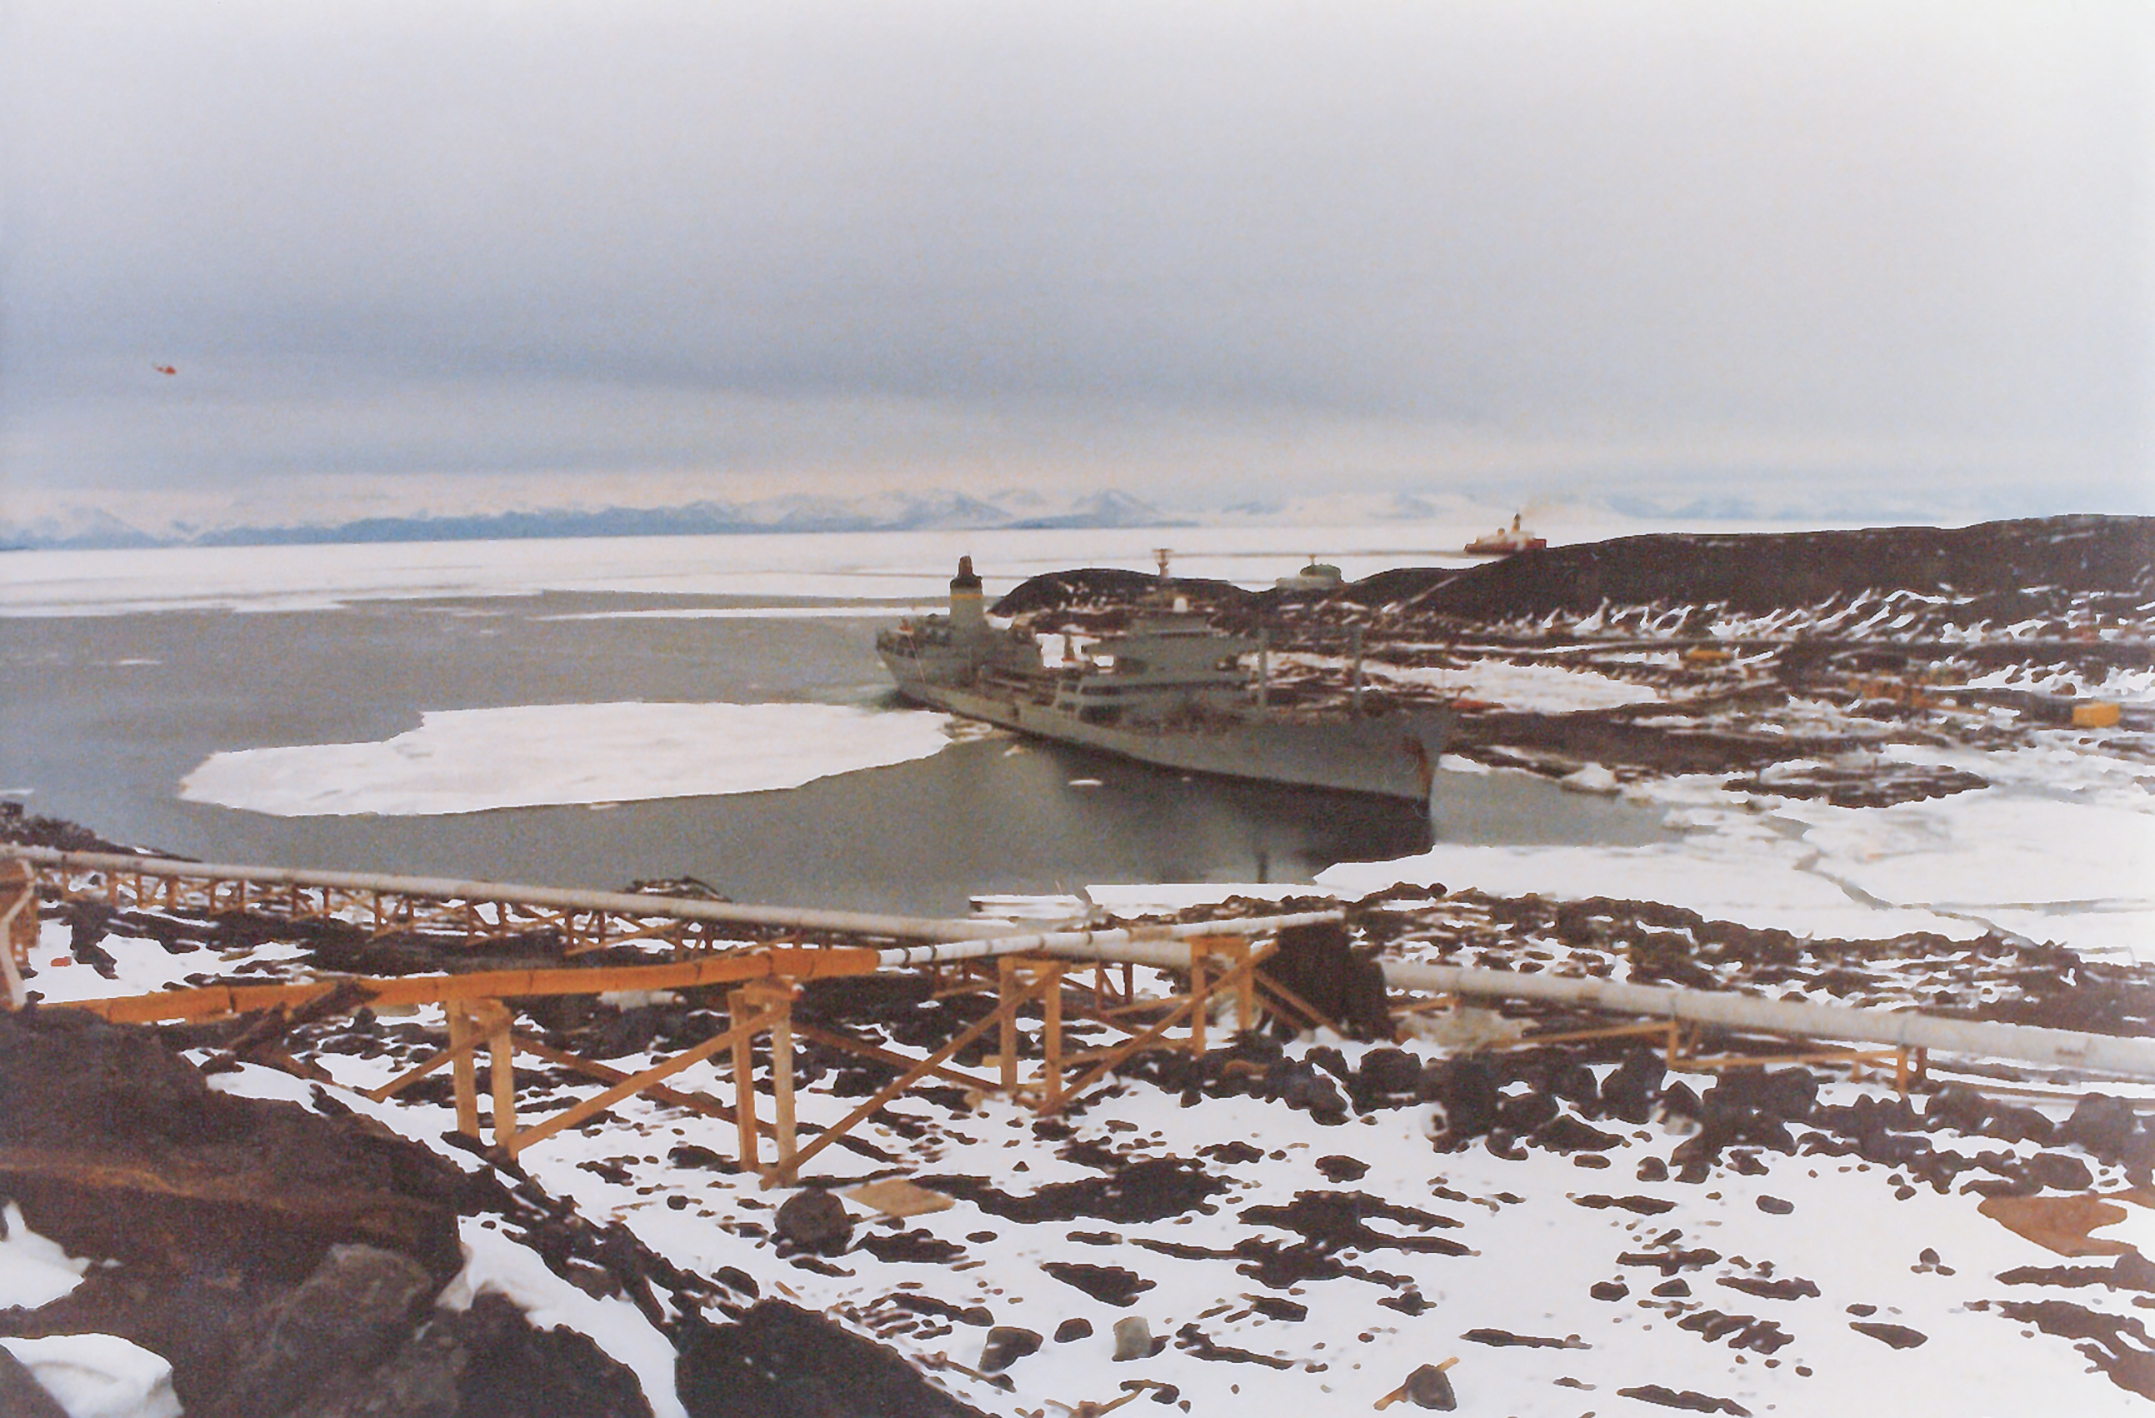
1169	690
1506	540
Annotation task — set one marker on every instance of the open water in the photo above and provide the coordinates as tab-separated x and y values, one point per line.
107	713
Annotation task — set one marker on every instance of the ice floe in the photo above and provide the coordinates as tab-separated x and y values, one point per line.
471	760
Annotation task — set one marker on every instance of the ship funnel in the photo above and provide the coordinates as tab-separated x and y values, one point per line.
968	616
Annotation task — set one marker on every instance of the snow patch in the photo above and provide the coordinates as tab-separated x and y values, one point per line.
33	1270
497	1265
98	1375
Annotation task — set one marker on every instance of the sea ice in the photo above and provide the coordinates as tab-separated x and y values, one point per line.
470	760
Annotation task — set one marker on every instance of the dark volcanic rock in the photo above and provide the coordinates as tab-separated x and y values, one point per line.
359	1303
2104	1125
1151	1190
1109	1284
1299	1087
815	1221
1342	1169
2059	1171
1897	1335
1524	1112
1343	985
1469	1098
116	1148
487	1362
21	1395
1390	1071
780	1361
1005	1345
1759	572
1685	1398
1568	1134
1430	1387
916	1245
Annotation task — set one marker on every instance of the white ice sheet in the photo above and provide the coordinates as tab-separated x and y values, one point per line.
470	760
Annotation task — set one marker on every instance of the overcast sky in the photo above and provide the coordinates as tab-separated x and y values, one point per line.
1832	256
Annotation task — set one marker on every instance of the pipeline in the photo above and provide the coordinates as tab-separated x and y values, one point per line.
1153	946
558	898
1127	943
2025	1043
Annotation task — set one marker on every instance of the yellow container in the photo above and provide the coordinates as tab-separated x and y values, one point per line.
2098	715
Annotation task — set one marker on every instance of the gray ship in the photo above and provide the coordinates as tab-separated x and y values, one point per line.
1170	690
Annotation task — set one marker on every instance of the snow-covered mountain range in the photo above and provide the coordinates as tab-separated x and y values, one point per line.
894	510
887	511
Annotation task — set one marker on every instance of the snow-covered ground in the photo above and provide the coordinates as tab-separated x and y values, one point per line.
1541	689
2060	847
1559	1281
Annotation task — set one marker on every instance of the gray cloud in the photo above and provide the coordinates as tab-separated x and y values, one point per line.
683	240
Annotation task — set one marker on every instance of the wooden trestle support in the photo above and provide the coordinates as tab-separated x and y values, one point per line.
763	986
727	946
1680	1043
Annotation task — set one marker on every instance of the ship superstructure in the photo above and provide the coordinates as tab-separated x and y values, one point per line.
1168	690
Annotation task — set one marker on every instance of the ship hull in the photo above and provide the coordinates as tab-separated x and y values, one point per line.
1389	756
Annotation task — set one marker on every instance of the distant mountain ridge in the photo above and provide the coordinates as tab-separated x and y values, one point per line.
1992	566
879	512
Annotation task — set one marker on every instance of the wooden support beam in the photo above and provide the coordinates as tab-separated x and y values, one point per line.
743	1015
628	1087
702	1103
1198	962
898	1085
461	1038
410	1076
1023	978
1051	1040
1009	990
501	1065
900	1061
773	1004
1117	1055
1235	949
209	1002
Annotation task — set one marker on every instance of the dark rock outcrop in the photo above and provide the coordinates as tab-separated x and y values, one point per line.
780	1361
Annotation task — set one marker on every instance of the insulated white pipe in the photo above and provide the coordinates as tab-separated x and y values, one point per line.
1126	944
2026	1043
2069	1048
559	898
